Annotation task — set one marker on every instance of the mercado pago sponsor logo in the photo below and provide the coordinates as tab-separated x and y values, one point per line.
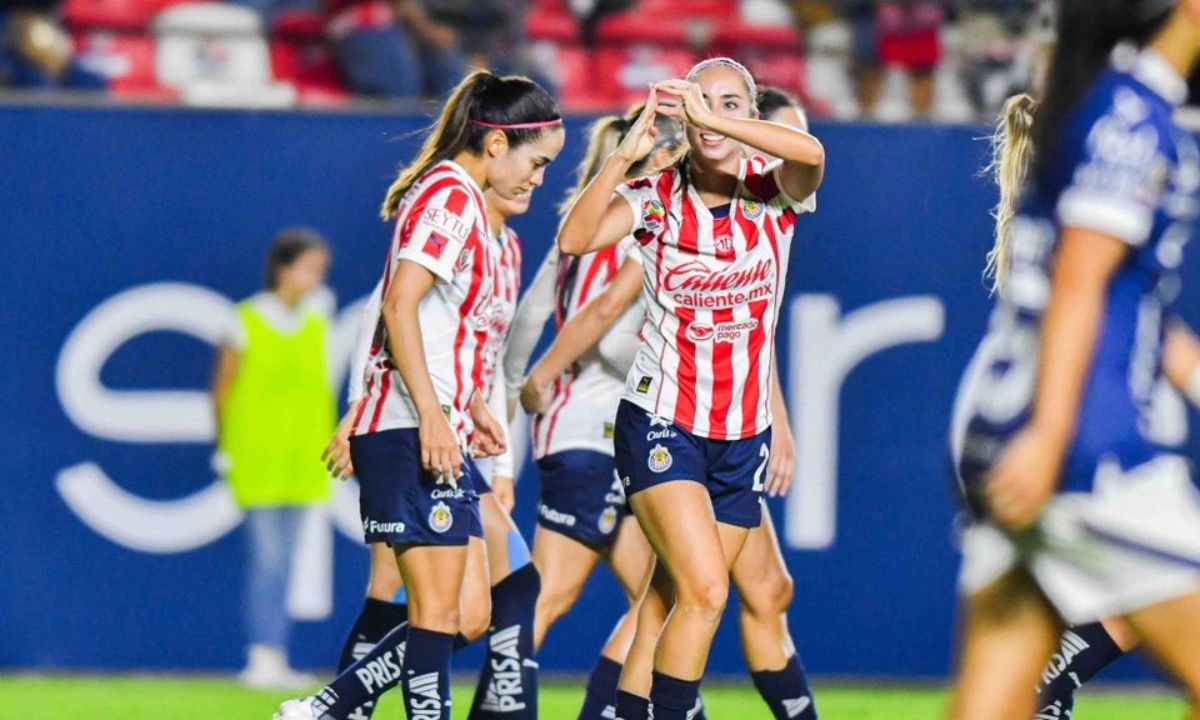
721	332
694	284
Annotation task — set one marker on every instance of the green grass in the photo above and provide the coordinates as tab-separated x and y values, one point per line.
133	698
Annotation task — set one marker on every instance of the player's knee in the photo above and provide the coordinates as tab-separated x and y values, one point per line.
440	618
704	596
385	583
771	595
476	619
554	602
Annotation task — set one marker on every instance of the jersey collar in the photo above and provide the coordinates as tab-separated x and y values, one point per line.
1153	71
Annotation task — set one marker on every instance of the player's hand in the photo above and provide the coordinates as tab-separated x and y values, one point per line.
691	107
489	438
535	394
505	492
440	453
337	453
1024	479
783	460
639	141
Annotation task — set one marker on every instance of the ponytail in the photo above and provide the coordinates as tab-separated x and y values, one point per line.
603	138
481	103
1012	146
607	133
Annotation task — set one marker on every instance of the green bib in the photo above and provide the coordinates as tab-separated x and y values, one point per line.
279	415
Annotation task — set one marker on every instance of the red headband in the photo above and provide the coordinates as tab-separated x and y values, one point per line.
518	126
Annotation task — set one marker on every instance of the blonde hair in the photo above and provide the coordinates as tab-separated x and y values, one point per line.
606	133
1012	150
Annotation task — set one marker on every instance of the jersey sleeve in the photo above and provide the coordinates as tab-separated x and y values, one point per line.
437	230
367	323
777	196
532	313
649	216
1120	170
627	249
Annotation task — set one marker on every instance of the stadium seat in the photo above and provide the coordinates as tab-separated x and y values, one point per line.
126	59
125	15
300	56
216	55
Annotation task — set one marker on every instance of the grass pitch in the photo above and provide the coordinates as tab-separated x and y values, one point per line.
152	698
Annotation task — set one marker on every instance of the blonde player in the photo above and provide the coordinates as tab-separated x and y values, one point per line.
424	403
693	427
582	515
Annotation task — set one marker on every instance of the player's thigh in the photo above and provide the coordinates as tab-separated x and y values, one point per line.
565	564
630	557
385	579
433	577
677	518
759	573
497	531
1171	632
476	591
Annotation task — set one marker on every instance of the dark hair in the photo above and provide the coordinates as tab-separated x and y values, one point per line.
287	247
1088	30
481	97
771	100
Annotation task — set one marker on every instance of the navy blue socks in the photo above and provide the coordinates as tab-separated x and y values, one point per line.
786	691
508	682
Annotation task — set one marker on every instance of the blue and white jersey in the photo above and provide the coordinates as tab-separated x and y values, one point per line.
1121	167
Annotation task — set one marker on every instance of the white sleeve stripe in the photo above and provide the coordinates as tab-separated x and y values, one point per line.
1127	221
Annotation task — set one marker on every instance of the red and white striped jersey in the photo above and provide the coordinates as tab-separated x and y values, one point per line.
713	287
504	308
442	226
584	399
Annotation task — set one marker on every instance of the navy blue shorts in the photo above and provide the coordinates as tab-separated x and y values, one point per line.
582	497
653	450
402	504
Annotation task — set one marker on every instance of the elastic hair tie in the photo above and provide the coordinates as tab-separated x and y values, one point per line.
518	126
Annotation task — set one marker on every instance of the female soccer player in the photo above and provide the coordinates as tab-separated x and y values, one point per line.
759	574
275	358
692	433
511	602
1079	516
1084	650
582	515
424	403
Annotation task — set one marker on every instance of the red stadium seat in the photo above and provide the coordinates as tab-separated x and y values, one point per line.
126	59
300	56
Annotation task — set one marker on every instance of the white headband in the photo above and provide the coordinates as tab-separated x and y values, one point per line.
751	86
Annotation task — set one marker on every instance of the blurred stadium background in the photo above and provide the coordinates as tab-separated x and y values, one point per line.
151	149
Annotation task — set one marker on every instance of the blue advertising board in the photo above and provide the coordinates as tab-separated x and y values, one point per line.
128	233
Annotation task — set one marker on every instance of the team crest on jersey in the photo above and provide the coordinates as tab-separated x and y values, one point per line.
752	208
653	216
660	459
608	520
441	518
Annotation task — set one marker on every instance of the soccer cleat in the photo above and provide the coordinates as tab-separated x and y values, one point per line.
300	709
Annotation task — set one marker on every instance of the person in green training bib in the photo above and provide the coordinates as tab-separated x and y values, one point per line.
275	411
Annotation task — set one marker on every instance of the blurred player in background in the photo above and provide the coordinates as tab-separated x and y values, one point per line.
760	574
582	515
692	432
512	601
1079	515
1084	650
425	403
273	405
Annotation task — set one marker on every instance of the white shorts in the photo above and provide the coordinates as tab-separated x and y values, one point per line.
1131	543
